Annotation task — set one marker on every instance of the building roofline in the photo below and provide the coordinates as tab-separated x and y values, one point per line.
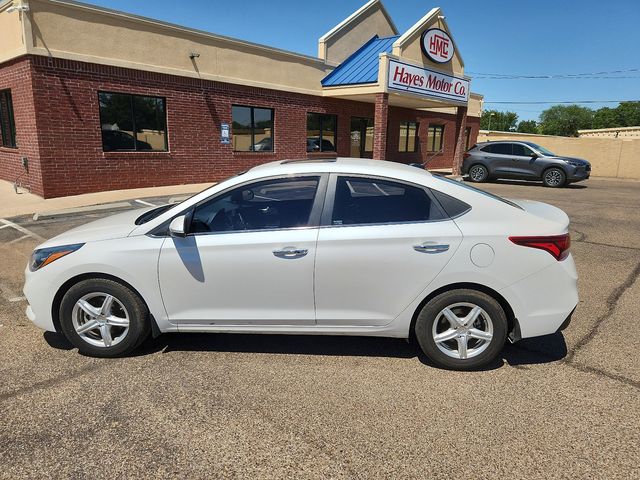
365	8
181	28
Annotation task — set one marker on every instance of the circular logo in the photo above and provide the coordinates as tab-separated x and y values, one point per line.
437	45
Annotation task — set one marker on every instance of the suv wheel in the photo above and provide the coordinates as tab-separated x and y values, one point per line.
103	318
462	329
478	173
554	178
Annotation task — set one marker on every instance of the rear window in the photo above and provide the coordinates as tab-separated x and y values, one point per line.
477	190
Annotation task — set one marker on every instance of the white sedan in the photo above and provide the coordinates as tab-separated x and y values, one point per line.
332	247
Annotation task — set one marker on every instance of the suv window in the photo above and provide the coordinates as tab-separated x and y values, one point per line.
521	150
360	201
268	204
501	148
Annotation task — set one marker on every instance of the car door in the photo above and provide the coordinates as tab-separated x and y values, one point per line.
381	243
249	256
500	158
524	163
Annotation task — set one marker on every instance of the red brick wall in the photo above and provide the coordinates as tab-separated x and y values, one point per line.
65	94
16	75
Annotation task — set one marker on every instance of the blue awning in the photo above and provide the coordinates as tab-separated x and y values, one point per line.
362	66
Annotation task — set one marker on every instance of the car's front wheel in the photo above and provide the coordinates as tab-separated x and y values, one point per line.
478	173
461	329
554	177
104	318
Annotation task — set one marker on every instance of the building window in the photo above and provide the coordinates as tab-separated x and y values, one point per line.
321	132
132	122
7	124
252	129
408	137
467	138
435	138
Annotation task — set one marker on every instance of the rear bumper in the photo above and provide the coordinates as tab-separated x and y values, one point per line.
543	302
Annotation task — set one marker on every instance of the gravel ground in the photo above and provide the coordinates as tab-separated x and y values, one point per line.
252	406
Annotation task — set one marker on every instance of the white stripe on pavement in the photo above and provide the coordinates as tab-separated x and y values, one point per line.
145	203
21	229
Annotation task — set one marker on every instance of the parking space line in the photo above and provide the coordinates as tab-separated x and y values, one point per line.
145	203
18	239
21	229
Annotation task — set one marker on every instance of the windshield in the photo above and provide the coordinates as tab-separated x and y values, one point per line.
542	150
469	187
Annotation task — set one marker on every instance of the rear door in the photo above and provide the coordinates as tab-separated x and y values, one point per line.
500	158
380	244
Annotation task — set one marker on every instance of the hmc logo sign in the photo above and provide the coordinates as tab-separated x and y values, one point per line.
437	45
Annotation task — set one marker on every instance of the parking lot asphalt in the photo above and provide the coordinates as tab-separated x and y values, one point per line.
262	406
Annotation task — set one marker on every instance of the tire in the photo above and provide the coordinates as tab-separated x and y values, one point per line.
554	178
478	173
116	328
490	324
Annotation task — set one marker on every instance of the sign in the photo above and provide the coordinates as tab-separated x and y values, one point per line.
427	83
225	137
437	45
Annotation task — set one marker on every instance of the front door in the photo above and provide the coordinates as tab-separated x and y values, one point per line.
524	162
381	244
249	259
361	137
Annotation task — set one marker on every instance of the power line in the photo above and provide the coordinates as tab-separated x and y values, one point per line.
562	102
589	75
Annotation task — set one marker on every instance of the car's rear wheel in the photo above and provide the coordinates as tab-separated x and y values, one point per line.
478	173
104	318
554	178
461	329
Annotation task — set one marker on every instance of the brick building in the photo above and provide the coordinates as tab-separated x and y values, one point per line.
93	99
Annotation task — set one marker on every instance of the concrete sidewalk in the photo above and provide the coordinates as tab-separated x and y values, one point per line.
12	204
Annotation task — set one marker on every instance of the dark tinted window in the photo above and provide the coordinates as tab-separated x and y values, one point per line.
452	206
252	129
7	124
321	132
521	150
280	203
132	122
369	201
501	148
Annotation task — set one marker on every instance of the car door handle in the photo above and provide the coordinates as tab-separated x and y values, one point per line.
290	252
431	248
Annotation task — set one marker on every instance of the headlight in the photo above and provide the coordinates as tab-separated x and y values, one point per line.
44	256
574	163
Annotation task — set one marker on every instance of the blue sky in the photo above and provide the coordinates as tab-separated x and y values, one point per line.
497	37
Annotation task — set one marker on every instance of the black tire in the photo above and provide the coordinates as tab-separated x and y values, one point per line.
478	173
486	352
126	301
554	178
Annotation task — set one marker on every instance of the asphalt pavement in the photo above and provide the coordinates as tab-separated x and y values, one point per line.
273	406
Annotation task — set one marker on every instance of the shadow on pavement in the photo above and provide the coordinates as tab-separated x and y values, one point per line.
527	183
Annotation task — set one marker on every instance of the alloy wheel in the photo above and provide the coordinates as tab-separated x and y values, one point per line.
553	178
462	330
100	319
478	173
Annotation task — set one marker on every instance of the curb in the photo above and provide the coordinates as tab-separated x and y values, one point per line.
89	208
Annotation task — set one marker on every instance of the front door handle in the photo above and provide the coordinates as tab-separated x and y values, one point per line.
431	248
290	252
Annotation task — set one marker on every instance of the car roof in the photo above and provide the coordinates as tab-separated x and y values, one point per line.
338	165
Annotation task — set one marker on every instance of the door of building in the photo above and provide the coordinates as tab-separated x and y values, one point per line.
361	137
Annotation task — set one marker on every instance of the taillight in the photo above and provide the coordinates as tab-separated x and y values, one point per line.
556	245
466	155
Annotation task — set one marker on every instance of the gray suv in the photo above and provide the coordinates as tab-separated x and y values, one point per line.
522	161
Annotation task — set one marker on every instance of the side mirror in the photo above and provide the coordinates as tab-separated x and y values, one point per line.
178	227
534	155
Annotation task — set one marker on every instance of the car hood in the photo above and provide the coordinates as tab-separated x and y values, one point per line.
108	228
580	161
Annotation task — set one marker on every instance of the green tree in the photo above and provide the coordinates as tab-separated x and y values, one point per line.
628	114
528	126
501	121
606	118
565	120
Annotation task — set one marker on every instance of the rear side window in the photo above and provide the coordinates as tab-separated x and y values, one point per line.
366	201
500	148
452	206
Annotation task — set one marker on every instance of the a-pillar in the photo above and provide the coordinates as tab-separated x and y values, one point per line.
380	123
461	129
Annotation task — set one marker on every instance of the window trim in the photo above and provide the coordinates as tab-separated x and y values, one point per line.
253	129
327	211
133	123
335	132
406	143
430	146
12	141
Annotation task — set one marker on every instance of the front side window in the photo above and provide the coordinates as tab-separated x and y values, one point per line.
321	132
269	204
7	123
521	150
408	137
132	122
252	129
366	201
435	138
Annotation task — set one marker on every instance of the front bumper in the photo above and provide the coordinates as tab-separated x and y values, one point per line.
578	174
